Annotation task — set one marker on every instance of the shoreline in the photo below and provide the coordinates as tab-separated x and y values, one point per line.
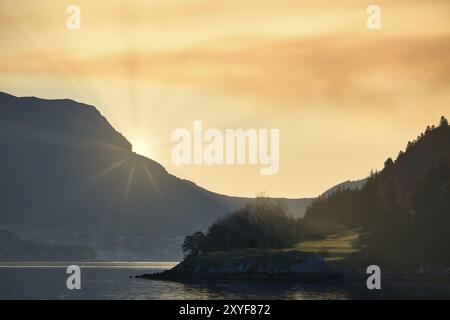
193	276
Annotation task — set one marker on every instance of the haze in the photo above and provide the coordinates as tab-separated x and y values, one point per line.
344	97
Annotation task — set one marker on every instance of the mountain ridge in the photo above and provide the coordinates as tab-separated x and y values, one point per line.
68	177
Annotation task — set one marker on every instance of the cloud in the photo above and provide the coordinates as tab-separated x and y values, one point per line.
328	71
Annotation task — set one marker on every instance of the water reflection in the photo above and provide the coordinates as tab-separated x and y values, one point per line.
101	280
251	289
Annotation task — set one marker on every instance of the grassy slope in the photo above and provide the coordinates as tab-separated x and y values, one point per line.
333	248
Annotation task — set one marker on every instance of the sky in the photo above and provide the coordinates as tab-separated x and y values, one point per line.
345	98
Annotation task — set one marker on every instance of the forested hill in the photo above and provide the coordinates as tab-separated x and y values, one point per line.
405	206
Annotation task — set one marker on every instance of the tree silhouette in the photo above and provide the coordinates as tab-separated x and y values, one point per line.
263	223
192	245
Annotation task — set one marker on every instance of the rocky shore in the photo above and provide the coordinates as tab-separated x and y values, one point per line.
251	264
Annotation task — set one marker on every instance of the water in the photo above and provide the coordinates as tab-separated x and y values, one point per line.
111	280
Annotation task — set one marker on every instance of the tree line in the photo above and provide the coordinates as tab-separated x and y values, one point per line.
404	208
263	223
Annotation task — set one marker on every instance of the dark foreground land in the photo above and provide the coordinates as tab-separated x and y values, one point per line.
334	259
329	259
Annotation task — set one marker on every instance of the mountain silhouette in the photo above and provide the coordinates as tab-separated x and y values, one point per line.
68	177
12	248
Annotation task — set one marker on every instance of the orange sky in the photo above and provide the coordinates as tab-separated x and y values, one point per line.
344	97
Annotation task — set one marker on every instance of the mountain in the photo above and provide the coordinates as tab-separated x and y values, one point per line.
68	177
7	240
12	248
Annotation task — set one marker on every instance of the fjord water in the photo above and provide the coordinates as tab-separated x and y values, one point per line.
111	280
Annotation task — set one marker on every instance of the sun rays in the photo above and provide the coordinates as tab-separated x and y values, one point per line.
128	182
108	170
152	180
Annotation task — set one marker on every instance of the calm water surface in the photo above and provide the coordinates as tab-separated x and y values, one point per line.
111	280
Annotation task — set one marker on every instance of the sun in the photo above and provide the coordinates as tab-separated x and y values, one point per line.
142	147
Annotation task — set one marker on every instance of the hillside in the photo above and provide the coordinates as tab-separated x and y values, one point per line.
12	248
349	184
405	207
67	176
